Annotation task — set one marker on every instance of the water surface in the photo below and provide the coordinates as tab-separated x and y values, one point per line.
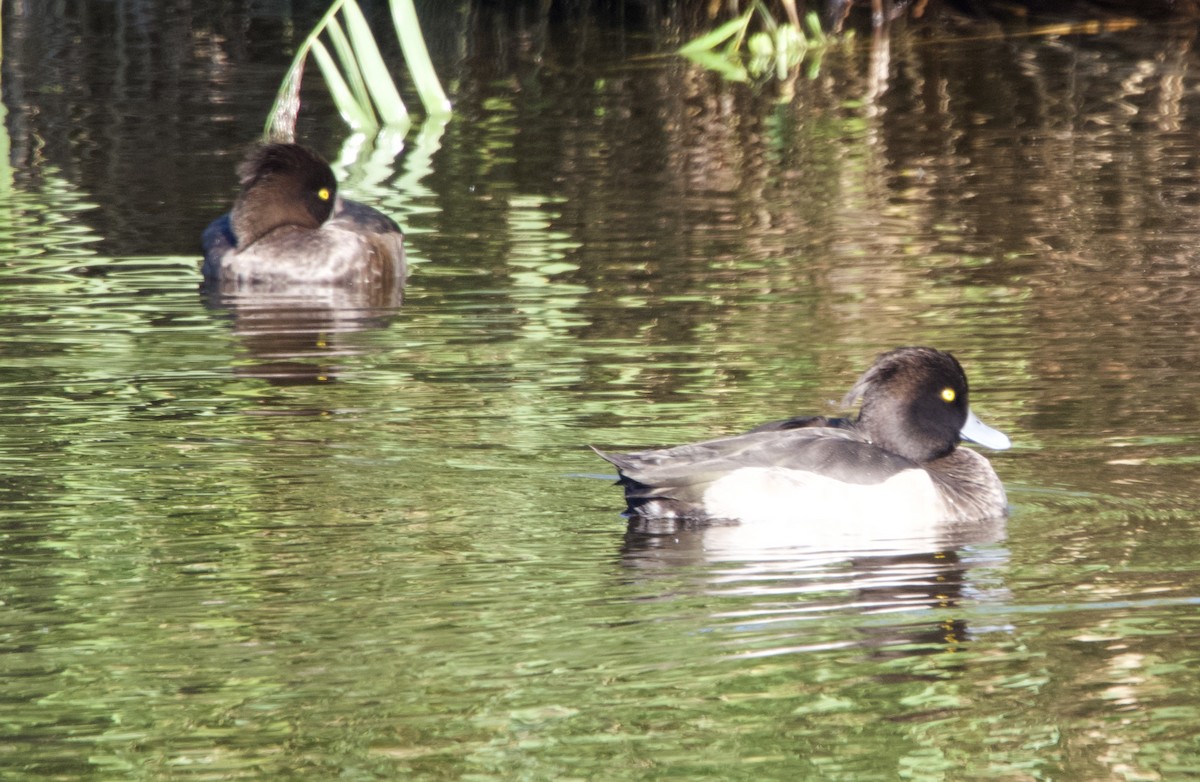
356	539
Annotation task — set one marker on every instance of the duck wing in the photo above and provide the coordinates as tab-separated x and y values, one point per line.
804	422
679	477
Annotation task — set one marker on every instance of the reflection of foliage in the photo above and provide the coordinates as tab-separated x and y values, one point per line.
630	258
359	80
778	49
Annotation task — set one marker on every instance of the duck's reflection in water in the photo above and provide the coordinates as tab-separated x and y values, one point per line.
300	335
895	597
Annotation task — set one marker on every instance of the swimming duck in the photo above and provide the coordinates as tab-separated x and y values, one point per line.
290	227
898	459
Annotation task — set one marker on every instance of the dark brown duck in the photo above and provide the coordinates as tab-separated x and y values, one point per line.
289	227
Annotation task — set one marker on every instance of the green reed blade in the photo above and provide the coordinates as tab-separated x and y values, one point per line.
343	96
379	83
712	40
349	66
412	42
362	85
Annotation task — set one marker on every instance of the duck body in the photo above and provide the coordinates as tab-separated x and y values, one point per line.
898	461
288	227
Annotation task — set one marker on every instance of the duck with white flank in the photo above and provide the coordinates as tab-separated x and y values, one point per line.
898	461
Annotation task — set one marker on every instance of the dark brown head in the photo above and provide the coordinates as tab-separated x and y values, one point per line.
282	185
916	404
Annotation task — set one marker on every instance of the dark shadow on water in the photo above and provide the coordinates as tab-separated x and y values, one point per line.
674	542
772	598
298	336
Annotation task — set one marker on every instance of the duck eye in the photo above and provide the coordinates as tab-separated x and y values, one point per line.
948	394
323	194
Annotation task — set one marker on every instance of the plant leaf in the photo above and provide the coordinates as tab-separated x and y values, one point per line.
349	65
730	68
412	43
281	121
362	86
374	70
343	98
712	40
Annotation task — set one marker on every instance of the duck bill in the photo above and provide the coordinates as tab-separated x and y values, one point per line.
978	432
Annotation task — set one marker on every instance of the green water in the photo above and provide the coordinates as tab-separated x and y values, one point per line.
361	540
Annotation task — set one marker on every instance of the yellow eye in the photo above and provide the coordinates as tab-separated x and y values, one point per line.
323	194
948	394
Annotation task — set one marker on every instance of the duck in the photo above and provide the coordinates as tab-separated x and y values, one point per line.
289	227
899	460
